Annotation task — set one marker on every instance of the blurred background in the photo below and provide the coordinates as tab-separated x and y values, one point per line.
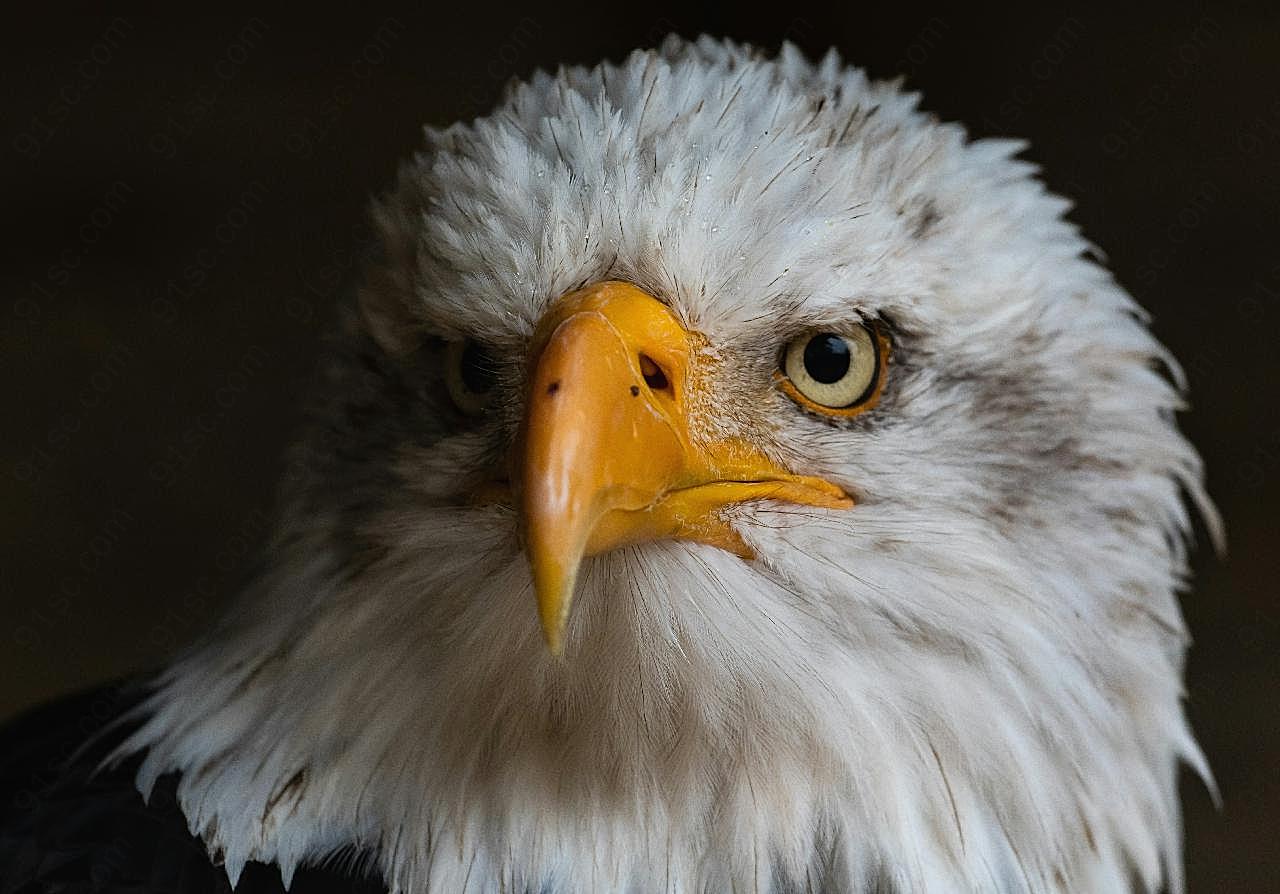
185	205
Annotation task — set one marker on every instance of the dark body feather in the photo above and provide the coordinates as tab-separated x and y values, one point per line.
66	829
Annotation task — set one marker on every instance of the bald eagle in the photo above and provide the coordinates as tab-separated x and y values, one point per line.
727	478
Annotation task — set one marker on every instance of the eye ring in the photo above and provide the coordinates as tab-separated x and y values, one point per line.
837	372
471	376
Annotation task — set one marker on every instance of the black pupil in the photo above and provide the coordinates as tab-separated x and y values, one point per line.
826	358
478	373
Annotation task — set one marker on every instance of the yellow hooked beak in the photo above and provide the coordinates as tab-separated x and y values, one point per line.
616	450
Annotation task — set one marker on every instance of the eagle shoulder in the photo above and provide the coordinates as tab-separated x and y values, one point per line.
69	829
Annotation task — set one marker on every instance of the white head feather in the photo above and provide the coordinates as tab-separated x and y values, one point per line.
970	682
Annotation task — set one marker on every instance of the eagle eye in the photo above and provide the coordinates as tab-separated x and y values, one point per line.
838	373
471	374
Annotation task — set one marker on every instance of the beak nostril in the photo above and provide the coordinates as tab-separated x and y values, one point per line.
654	377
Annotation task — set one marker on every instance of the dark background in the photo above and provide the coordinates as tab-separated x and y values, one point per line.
183	204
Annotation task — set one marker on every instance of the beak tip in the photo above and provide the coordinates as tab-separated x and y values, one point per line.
555	596
553	635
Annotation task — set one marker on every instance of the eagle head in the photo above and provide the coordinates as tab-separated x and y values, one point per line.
728	477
